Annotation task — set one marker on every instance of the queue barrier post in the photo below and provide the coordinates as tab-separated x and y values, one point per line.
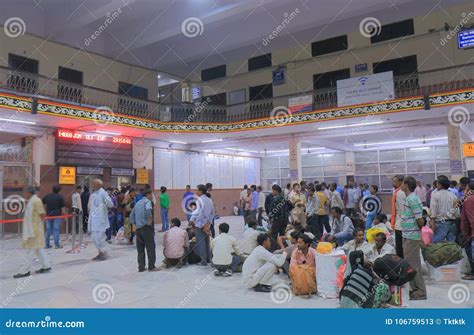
81	231
74	250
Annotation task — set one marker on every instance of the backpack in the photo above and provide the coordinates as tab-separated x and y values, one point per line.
393	269
442	253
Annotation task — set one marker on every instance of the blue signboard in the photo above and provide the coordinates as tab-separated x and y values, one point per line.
466	39
279	76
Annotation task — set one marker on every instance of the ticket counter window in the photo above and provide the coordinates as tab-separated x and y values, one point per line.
119	181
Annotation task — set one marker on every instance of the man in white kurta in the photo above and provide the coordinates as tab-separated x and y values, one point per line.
99	205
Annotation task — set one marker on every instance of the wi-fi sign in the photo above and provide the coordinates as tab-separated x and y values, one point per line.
363	80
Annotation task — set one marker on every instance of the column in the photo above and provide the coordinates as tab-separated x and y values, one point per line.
455	153
295	160
350	166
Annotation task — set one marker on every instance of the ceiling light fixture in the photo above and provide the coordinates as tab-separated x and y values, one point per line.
243	150
210	141
17	121
351	125
107	132
178	142
420	148
404	141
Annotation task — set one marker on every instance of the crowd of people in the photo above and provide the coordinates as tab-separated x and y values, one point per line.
282	229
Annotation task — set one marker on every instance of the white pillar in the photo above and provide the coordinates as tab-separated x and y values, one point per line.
455	152
295	160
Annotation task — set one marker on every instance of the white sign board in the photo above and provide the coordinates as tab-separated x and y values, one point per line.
302	103
364	89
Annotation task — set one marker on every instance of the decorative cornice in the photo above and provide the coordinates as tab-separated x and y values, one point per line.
48	107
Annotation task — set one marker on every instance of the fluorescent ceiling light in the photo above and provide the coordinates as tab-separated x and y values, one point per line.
108	132
178	142
209	141
352	125
242	150
420	148
17	121
404	141
326	155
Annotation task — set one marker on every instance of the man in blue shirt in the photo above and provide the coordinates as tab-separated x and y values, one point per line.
253	203
142	219
188	197
201	219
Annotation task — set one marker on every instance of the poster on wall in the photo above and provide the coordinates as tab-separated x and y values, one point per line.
468	149
365	89
16	176
67	175
300	104
142	176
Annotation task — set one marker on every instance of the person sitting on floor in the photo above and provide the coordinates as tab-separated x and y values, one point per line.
361	288
175	245
303	267
358	243
380	248
250	237
290	240
261	265
342	227
226	253
303	254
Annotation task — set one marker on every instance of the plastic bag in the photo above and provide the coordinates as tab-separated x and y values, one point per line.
426	235
120	234
324	247
303	279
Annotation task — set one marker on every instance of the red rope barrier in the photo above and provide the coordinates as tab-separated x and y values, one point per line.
46	218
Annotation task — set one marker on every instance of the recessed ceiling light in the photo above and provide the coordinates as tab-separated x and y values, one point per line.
209	141
108	132
403	141
18	121
351	125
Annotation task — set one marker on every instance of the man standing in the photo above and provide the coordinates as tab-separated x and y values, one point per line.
243	195
99	205
352	199
373	213
201	219
85	212
411	223
311	212
188	196
54	207
467	227
398	202
336	200
261	205
322	211
443	213
77	204
278	212
253	203
141	217
33	234
299	202
164	207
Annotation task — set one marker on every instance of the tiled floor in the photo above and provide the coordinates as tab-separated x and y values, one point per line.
117	283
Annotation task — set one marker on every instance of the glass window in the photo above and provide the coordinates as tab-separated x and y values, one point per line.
338	158
271	173
442	153
386	181
270	162
312	172
415	155
420	166
365	156
371	180
364	169
395	168
311	160
284	161
285	173
392	155
425	178
442	165
335	170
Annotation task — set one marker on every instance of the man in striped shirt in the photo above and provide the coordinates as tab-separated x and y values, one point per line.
412	221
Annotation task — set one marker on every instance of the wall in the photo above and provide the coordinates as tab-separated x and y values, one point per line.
431	54
98	71
43	154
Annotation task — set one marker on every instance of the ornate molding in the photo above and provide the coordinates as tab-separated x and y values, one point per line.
48	107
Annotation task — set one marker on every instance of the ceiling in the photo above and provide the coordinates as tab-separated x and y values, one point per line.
153	33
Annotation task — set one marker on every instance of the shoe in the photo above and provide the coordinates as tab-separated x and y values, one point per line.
468	277
43	270
109	241
141	270
217	273
416	296
102	256
228	273
180	265
21	275
96	258
130	242
47	247
263	288
154	270
58	247
202	264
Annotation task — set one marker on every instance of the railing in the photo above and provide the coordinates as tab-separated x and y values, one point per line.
422	83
